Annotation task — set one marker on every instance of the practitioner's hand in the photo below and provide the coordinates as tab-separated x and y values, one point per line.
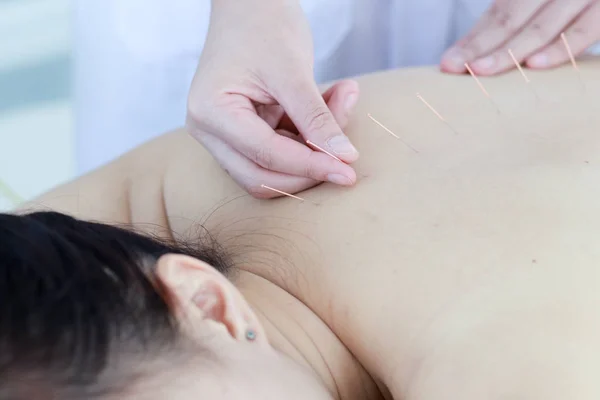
254	102
531	29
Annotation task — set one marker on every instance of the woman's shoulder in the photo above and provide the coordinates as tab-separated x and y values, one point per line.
170	175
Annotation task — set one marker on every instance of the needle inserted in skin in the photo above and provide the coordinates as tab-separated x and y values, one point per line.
282	192
391	133
431	107
383	126
573	62
437	114
323	150
520	68
564	39
485	92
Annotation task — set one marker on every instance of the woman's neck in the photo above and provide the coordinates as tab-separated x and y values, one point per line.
295	330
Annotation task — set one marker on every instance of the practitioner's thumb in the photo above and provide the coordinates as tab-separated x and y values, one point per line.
314	120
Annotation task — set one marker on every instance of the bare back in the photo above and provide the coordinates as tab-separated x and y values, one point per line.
468	244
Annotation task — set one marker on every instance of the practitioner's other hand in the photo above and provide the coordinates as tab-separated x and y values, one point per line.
254	102
531	29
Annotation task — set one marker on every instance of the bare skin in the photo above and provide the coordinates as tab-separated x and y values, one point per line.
531	29
467	270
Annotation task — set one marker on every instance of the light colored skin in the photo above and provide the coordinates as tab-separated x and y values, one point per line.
466	271
255	77
531	29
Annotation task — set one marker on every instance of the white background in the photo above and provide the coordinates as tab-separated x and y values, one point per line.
36	142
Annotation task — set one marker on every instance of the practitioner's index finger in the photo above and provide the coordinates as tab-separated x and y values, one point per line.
308	110
254	138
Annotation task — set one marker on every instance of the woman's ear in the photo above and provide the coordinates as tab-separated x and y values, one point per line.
201	296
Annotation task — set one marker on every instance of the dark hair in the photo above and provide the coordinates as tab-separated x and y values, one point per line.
72	293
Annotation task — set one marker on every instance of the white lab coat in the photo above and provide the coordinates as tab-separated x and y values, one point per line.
135	59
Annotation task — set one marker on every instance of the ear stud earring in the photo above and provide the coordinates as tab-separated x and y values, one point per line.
250	335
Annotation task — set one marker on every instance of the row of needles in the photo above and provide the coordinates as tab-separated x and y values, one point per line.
437	114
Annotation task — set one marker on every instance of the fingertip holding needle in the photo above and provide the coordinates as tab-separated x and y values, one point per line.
391	133
323	150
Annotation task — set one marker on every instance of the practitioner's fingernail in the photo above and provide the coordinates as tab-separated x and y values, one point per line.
485	63
350	101
340	144
538	61
454	57
339	179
